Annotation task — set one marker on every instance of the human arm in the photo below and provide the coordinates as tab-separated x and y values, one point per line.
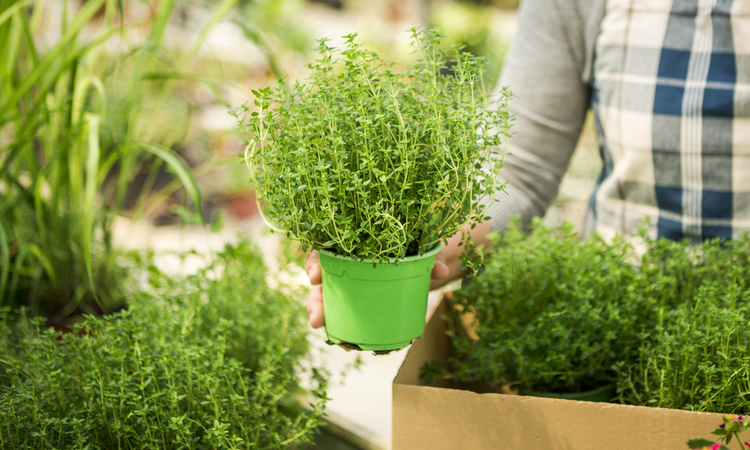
548	71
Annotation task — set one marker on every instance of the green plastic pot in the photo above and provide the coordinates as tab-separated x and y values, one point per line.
378	307
600	394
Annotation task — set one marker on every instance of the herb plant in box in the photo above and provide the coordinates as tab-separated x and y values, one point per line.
550	315
375	167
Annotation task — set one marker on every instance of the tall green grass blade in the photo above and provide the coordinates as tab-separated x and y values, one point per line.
12	10
92	170
127	167
35	22
147	187
36	251
18	270
79	98
53	56
40	210
106	166
181	170
5	259
160	23
28	34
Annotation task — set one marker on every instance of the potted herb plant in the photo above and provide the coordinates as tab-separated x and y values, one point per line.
550	315
375	167
553	315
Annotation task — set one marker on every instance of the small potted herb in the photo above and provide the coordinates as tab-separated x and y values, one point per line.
375	167
550	315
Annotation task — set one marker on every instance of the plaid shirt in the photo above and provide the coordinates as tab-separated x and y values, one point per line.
671	100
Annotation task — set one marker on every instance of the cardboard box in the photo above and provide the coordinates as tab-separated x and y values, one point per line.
440	417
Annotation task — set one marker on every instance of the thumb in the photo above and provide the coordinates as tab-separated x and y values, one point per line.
440	269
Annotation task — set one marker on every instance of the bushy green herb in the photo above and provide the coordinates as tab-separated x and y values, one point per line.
693	355
372	162
195	364
698	356
552	314
668	324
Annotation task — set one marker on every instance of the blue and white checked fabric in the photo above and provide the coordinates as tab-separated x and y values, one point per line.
672	106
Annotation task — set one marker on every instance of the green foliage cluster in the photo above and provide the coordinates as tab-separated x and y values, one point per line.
668	324
372	162
87	122
695	354
697	357
74	123
731	428
206	362
553	314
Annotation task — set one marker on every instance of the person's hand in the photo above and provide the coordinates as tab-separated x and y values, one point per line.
447	267
315	299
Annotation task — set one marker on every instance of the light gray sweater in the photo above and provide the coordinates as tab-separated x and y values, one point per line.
549	71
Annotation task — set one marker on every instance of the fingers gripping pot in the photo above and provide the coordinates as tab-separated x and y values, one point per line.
375	307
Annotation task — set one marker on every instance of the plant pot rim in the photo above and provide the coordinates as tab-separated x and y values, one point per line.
426	254
582	395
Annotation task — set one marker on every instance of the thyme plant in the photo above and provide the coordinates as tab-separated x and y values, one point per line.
669	324
553	314
376	163
697	357
211	361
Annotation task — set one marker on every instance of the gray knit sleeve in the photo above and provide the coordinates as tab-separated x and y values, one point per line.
547	71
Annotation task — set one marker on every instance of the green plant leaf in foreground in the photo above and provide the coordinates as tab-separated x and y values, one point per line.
5	259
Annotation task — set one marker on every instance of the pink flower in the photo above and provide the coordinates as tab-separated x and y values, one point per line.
747	445
716	446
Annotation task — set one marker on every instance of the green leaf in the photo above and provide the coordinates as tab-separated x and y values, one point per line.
5	259
92	172
53	55
181	170
699	443
8	13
